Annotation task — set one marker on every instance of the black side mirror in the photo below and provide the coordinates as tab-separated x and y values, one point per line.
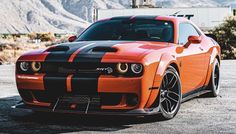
72	38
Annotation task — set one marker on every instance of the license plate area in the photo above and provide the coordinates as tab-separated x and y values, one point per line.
83	103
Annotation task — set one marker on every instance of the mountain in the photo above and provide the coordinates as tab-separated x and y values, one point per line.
62	16
85	8
23	16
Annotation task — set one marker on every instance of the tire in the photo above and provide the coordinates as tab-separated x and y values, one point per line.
170	94
214	83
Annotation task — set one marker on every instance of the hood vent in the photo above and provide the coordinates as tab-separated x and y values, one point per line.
58	48
104	49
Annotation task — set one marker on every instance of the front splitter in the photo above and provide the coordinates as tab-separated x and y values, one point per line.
134	112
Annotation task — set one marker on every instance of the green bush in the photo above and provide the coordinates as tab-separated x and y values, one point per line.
226	37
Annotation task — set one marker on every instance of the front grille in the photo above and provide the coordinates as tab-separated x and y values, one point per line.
88	68
76	68
65	100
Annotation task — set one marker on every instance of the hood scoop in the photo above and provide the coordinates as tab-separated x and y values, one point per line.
104	49
58	49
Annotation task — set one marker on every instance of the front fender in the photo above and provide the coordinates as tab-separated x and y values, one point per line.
165	60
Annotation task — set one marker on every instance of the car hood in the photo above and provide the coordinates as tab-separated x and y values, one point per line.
93	51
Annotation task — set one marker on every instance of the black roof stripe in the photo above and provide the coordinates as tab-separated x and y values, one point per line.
151	17
121	18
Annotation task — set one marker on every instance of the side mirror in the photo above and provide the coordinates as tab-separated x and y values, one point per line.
193	40
72	38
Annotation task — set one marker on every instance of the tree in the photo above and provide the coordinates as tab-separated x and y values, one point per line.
226	37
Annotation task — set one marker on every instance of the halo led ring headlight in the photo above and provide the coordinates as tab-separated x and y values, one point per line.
24	66
122	67
136	68
36	66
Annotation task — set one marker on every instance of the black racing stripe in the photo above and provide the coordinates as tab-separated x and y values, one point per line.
87	55
88	83
63	56
148	17
121	18
85	84
57	83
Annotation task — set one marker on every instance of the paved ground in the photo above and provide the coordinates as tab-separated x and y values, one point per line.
200	115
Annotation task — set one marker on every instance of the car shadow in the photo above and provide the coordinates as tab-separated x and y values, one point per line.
61	123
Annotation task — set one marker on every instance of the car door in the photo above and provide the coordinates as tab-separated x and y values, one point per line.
193	63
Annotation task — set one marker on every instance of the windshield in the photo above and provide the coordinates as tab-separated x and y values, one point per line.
131	30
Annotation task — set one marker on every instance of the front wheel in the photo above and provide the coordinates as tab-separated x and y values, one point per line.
170	93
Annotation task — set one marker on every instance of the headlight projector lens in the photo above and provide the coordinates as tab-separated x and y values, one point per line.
122	67
137	68
36	66
24	66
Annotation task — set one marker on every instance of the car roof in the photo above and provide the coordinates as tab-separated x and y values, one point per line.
151	17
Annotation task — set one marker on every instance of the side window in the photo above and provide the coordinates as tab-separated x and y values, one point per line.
186	30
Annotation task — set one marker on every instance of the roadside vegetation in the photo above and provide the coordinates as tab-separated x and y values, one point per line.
14	45
226	37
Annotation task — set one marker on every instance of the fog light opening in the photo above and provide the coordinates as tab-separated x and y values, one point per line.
132	99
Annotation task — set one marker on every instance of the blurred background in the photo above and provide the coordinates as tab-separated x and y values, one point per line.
34	24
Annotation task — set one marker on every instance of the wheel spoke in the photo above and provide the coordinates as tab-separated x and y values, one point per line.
174	83
171	92
167	108
169	105
171	81
171	98
163	99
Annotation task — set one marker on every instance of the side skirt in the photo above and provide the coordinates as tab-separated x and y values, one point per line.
195	93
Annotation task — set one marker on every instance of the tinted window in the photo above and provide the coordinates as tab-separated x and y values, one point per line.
140	30
186	30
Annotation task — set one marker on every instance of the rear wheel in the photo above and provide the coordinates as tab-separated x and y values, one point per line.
214	84
170	94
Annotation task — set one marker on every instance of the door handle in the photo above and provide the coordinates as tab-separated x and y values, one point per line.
201	48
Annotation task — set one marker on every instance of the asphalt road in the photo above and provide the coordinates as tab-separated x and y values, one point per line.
199	115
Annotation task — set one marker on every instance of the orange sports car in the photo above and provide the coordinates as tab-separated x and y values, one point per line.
130	65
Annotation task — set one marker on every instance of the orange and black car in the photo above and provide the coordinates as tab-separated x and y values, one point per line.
130	65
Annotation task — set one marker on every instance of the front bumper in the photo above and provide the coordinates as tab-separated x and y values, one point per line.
115	90
135	112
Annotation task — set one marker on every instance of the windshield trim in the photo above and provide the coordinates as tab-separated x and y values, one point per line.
169	21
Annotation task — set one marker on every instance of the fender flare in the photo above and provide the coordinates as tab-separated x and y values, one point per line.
215	54
165	60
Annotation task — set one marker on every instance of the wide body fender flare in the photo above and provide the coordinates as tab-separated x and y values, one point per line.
214	54
165	60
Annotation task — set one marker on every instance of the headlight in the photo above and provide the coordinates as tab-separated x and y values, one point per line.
122	67
136	68
36	66
24	66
